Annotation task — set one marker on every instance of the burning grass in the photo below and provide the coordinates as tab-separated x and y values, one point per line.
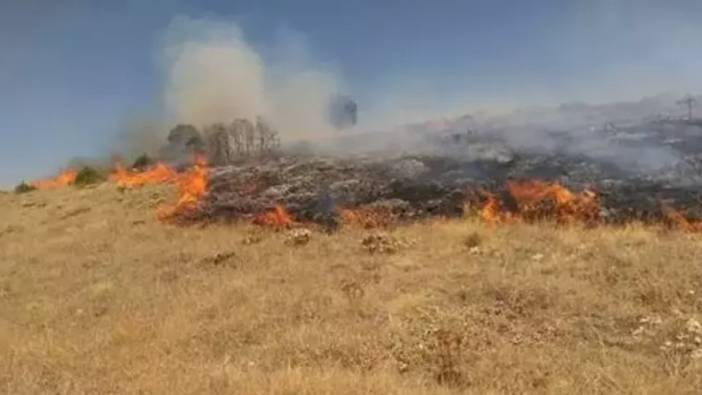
527	201
158	174
367	217
68	177
281	192
536	200
64	178
96	295
676	219
192	187
88	176
277	218
23	187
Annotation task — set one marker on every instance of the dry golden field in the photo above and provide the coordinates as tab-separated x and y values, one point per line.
98	297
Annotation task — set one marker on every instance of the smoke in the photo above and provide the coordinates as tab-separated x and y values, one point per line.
580	129
215	82
140	134
213	74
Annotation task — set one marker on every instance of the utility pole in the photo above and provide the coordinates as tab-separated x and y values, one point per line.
689	101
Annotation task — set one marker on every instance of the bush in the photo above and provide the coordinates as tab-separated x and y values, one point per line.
143	162
23	187
88	176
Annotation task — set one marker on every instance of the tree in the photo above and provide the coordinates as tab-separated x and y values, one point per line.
184	142
241	139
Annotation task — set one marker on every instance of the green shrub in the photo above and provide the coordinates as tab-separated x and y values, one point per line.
88	176
23	187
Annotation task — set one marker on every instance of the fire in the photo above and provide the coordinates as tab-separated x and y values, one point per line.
64	178
278	217
537	200
192	187
492	211
158	174
191	184
676	219
366	217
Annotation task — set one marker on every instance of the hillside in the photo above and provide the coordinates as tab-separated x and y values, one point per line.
98	296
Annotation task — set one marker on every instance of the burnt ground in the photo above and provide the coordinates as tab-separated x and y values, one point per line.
637	173
413	187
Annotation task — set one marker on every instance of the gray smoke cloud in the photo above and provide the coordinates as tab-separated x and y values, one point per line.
621	133
213	74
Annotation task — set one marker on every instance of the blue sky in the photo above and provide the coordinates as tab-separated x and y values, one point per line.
72	72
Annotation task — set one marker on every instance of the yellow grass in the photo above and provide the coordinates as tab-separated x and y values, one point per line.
97	296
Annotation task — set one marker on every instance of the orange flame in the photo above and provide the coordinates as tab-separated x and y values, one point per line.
158	174
537	199
192	187
64	178
278	217
366	217
492	212
676	219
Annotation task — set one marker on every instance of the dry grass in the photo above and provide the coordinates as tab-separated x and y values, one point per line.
96	296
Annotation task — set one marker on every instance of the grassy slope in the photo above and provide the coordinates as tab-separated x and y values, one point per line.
96	296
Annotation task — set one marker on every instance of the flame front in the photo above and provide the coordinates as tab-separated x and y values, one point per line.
191	184
278	217
366	217
64	178
492	211
536	200
158	174
192	187
678	220
539	199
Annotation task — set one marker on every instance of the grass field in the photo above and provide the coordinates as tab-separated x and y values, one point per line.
97	296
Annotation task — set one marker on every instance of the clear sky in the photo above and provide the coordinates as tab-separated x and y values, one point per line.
73	72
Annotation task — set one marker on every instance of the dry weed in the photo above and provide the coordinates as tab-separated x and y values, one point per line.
97	296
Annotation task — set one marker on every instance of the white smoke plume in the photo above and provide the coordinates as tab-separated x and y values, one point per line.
214	75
